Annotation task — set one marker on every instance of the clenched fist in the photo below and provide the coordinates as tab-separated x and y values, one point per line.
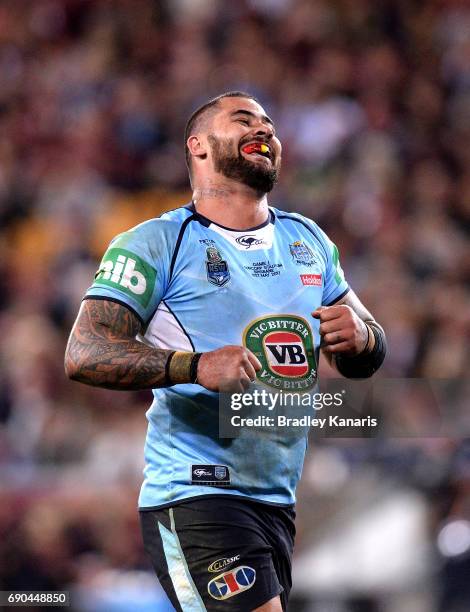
341	330
230	368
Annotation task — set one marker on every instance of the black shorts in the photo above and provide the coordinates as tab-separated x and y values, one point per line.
221	553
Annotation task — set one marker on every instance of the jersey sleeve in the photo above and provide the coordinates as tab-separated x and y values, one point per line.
134	270
335	285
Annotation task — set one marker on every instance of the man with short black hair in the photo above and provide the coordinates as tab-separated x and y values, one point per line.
214	295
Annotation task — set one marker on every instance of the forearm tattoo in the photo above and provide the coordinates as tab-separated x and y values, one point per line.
102	350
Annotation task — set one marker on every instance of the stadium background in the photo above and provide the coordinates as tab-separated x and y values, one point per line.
371	100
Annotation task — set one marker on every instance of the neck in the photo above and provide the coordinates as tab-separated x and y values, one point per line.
231	204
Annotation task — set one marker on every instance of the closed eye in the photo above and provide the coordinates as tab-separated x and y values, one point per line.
244	121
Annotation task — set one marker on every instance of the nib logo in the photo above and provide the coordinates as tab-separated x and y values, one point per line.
127	272
124	273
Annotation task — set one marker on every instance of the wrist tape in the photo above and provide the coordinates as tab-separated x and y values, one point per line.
366	363
181	367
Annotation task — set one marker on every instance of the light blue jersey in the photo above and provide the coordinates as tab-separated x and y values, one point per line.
198	286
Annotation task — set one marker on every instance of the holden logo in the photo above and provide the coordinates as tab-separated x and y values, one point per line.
284	345
248	241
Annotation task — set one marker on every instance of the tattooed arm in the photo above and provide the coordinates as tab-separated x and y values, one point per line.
103	351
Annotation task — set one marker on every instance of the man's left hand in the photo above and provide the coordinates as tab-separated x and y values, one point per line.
341	330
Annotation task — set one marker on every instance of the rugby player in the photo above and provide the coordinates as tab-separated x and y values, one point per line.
223	291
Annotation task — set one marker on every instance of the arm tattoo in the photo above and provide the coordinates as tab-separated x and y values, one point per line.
103	351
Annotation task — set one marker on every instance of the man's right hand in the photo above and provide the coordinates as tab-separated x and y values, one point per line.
229	369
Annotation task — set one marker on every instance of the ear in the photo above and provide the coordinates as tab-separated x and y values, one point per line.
196	147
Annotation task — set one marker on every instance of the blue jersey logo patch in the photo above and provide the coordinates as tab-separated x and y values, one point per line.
212	475
217	268
301	253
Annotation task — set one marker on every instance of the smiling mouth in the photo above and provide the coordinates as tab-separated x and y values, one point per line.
257	148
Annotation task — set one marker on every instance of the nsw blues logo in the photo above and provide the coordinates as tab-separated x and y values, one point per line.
301	253
232	582
220	472
217	268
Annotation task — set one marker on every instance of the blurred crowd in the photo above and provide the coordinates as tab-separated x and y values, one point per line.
371	100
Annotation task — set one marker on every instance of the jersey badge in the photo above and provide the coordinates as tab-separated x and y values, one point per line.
220	472
301	253
217	268
213	475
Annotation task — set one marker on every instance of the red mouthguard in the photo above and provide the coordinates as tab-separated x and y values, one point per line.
255	147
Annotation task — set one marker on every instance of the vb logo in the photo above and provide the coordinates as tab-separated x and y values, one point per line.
127	272
285	348
286	353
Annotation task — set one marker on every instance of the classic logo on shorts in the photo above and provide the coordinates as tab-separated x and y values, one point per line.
284	345
219	564
126	271
232	582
